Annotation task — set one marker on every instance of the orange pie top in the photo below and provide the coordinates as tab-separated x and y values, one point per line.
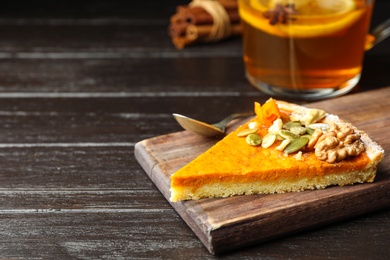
234	160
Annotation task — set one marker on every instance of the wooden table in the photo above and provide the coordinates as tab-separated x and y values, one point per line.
81	82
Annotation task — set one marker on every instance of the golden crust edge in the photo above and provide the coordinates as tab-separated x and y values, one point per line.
226	189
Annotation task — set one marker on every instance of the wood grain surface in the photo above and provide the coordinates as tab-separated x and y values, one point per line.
229	223
81	82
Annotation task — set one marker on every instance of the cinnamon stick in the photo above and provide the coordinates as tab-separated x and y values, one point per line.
177	29
197	15
191	24
229	4
199	32
176	18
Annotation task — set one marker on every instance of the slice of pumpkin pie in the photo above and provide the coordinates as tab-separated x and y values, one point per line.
284	148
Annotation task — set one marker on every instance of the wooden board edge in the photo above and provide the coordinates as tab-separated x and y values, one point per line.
190	217
141	155
315	214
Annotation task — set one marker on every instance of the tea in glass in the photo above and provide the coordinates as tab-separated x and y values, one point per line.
306	49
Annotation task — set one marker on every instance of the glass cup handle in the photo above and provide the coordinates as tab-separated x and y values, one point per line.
381	32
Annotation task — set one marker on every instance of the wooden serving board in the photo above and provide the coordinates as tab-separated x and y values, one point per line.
228	223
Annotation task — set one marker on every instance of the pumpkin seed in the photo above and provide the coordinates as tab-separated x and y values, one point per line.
276	126
298	130
253	139
268	140
287	134
296	145
247	132
279	138
310	131
308	116
290	124
283	145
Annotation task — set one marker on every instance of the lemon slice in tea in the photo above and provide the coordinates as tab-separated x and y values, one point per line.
314	7
314	17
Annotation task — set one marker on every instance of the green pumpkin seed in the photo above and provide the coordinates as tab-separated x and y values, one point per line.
310	131
298	130
288	134
290	124
279	138
247	132
296	145
268	140
253	139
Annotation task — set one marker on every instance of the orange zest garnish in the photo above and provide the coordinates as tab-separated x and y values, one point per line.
267	113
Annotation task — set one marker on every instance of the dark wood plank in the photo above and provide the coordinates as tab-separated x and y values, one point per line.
117	37
71	166
57	191
120	233
89	8
106	119
230	223
137	75
124	234
80	83
143	75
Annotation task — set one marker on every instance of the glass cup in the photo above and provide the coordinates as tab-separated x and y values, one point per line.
306	49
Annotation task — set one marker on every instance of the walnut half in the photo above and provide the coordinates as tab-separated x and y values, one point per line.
338	143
